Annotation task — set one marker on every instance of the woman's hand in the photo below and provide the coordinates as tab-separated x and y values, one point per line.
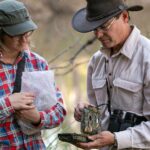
20	101
30	115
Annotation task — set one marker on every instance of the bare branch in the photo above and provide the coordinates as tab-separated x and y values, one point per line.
71	60
63	52
89	42
72	68
60	67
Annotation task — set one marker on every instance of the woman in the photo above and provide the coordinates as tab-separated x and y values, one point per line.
16	29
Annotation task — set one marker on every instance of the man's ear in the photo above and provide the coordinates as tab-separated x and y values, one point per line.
125	16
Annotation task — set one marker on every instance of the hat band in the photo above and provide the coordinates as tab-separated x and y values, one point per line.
14	17
120	7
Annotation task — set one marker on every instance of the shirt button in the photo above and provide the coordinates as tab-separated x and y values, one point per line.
110	87
109	74
107	61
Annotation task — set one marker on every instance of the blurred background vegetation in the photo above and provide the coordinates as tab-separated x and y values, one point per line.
59	44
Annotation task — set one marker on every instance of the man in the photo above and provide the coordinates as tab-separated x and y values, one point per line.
16	27
118	78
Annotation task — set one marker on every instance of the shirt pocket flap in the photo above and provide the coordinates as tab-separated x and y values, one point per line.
98	83
127	85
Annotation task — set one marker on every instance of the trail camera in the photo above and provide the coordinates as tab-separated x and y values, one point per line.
73	138
90	121
90	125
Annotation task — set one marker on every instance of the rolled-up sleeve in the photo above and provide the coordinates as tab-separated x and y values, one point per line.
6	109
55	115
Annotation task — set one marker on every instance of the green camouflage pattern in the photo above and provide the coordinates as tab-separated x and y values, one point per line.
90	125
90	120
73	138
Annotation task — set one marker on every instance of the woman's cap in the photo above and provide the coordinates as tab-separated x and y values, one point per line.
15	18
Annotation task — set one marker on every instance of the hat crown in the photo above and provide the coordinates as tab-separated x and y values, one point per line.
98	12
97	9
12	12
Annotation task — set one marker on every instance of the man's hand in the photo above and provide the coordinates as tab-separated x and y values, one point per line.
102	139
78	110
22	100
30	115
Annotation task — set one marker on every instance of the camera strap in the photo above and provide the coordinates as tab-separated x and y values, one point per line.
20	69
109	97
108	91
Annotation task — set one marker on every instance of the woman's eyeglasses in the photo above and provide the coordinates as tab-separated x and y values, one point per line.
26	34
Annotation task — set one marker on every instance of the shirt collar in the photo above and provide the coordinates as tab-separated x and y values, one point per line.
24	54
129	46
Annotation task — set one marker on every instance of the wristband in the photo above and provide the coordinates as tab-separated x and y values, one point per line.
115	141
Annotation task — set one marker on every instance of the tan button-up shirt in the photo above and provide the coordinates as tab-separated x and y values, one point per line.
128	74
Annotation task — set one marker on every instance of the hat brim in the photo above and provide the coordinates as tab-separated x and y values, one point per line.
81	24
20	28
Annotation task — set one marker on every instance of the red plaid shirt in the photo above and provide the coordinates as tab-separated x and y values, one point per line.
11	136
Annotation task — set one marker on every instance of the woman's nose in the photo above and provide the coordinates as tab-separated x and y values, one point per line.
24	38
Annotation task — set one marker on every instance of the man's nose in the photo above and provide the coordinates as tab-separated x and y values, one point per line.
98	33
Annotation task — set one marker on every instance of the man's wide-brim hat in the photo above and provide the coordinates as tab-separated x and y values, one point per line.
97	12
15	18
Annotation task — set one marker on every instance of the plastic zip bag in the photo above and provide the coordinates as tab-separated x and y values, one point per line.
42	84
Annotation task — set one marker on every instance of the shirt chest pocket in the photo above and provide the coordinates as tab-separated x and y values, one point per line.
127	85
126	94
100	90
